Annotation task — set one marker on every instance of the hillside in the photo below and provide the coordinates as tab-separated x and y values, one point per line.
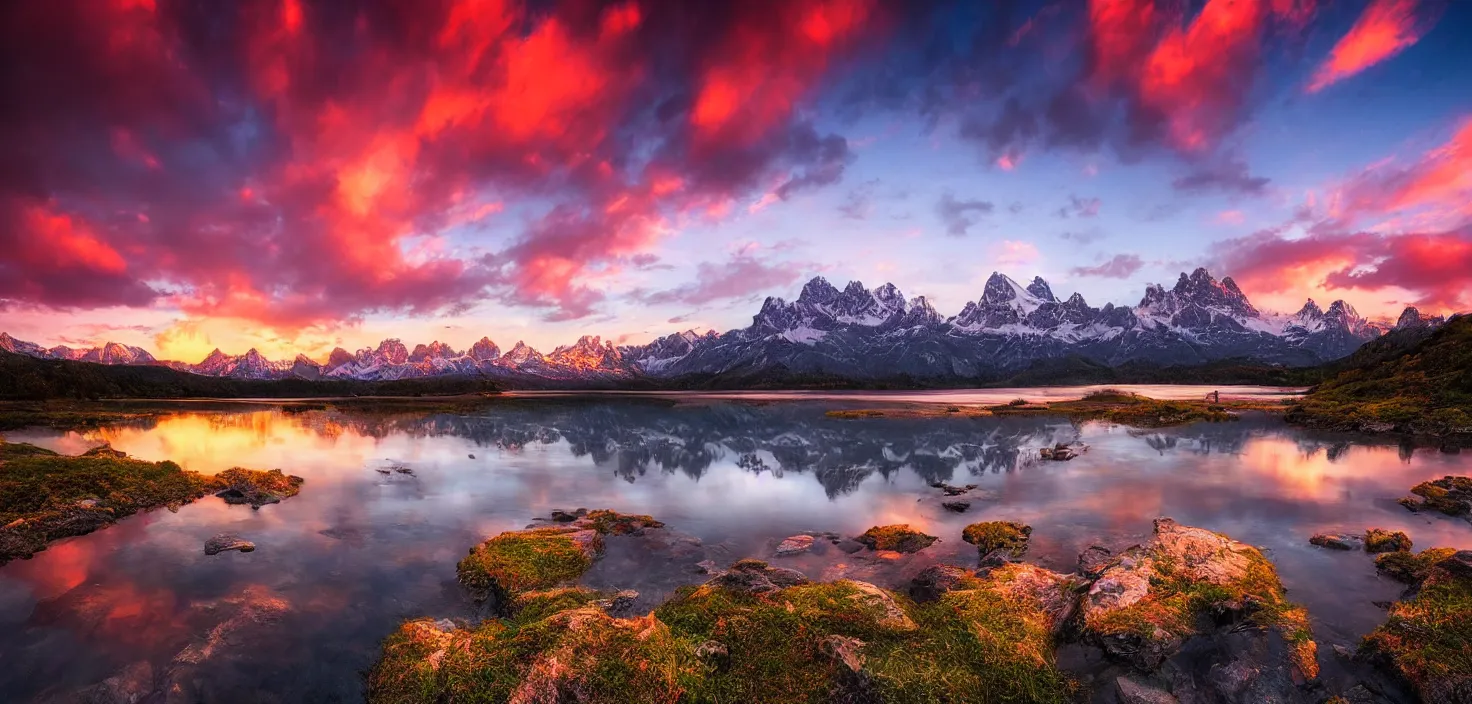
26	378
1426	390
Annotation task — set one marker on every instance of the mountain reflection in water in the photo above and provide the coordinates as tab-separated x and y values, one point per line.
359	550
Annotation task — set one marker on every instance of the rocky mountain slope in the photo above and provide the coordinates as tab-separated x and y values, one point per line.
862	334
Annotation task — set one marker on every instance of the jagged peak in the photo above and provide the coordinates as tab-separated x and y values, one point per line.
1309	310
1041	289
1342	308
1077	300
855	288
817	290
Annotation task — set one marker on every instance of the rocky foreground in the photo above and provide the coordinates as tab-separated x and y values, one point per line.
1189	616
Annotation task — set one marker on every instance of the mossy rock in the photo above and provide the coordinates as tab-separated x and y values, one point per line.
1425	639
1182	583
526	560
1449	495
255	487
899	538
614	523
990	536
1378	540
1410	568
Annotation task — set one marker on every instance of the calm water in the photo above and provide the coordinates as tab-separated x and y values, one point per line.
338	567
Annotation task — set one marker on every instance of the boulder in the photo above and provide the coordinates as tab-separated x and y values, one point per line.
1094	560
227	541
1132	690
956	506
936	580
1200	594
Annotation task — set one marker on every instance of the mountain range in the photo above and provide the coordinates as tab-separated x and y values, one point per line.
863	334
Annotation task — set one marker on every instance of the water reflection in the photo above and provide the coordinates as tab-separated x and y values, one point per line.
338	566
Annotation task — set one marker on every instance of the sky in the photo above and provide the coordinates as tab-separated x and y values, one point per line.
293	175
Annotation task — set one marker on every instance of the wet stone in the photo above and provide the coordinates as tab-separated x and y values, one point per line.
1094	560
956	506
1135	691
795	545
1337	541
226	541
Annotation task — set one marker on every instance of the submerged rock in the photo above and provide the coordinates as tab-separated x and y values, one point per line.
897	538
1337	541
257	488
795	545
227	541
1191	599
956	506
1377	540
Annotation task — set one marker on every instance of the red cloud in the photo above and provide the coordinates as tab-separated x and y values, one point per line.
286	161
1438	184
1190	78
1436	268
1385	29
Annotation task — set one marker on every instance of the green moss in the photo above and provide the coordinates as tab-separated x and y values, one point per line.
899	538
537	605
1449	495
255	487
614	523
1380	540
1134	410
1425	639
973	645
1408	567
998	535
604	660
525	560
45	496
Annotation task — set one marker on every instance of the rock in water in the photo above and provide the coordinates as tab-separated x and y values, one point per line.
226	541
956	506
794	545
1337	541
1377	540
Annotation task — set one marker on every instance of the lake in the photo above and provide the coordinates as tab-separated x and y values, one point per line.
392	502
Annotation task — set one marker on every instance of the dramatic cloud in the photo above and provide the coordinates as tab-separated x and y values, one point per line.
1385	29
959	215
1435	268
742	276
1120	266
301	163
1079	207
